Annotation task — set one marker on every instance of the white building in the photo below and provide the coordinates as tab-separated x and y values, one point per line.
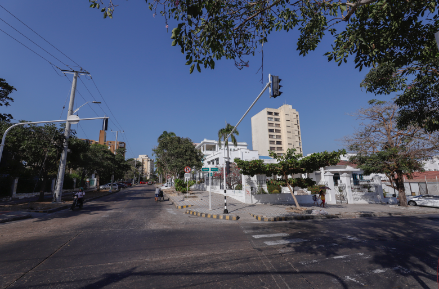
147	165
215	156
276	129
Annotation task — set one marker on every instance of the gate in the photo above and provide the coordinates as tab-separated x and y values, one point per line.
423	189
340	194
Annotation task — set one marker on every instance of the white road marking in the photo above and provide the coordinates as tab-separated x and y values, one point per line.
283	242
335	257
171	211
270	235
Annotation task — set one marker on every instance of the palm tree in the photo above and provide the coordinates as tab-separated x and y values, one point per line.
165	135
223	133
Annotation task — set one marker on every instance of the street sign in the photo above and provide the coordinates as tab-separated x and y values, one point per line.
187	169
205	169
214	169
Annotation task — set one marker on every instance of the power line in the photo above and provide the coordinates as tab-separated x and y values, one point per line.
40	36
34	42
29	49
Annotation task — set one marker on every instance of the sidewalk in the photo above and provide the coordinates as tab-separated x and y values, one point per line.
199	203
13	216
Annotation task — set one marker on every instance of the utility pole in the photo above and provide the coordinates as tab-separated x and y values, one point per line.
115	148
62	165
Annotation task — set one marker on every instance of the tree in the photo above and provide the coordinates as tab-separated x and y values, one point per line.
223	134
291	164
165	135
382	147
5	90
174	153
233	178
394	37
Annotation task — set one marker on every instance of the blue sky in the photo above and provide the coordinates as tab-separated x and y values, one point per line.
148	88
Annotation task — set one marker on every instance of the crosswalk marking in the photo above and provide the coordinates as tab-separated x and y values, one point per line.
270	235
283	242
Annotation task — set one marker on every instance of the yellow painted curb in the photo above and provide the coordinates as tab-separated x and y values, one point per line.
213	216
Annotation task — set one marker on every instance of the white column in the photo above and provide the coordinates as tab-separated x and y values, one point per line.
379	188
322	175
330	194
246	189
346	179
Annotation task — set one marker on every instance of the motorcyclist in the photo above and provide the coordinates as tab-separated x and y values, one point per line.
80	195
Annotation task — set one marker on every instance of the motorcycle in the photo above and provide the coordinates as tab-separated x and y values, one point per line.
76	203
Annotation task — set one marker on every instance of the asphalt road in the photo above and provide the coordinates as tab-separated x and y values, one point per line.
127	240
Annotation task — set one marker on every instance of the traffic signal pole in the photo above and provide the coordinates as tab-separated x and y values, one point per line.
233	130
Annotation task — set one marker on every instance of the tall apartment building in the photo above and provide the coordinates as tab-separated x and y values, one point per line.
112	146
147	165
276	130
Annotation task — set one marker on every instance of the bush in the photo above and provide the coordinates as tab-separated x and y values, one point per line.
238	187
181	186
273	187
275	192
261	191
315	189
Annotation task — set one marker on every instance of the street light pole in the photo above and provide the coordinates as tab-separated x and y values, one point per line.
233	130
62	165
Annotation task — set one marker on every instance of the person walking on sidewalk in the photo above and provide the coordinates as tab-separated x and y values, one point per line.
157	194
322	197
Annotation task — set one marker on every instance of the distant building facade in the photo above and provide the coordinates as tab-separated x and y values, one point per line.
147	165
276	130
112	145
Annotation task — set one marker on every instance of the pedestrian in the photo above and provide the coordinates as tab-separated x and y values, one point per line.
314	198
157	193
322	197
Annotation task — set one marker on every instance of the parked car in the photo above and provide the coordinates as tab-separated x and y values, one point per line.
150	183
424	200
108	186
122	185
142	182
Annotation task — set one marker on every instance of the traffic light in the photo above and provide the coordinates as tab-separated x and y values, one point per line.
227	168
275	85
105	124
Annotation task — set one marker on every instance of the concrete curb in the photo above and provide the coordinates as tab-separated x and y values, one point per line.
15	218
213	216
176	206
337	216
288	218
68	206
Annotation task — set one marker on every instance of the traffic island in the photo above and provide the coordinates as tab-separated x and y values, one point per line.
213	216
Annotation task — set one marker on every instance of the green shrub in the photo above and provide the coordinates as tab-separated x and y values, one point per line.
238	187
273	187
275	192
261	191
315	189
181	186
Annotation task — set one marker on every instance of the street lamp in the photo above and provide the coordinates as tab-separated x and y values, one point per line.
71	119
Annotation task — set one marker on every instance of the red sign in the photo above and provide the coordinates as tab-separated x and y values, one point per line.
168	176
187	169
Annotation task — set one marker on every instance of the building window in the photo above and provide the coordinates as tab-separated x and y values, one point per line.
270	119
288	126
277	125
271	136
280	154
272	142
277	119
286	114
288	120
278	136
278	142
270	124
290	144
276	113
278	148
277	130
269	113
272	148
288	131
270	130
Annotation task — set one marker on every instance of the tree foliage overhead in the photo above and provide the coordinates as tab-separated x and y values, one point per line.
382	147
394	38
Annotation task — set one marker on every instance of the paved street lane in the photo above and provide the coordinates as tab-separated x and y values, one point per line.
127	240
